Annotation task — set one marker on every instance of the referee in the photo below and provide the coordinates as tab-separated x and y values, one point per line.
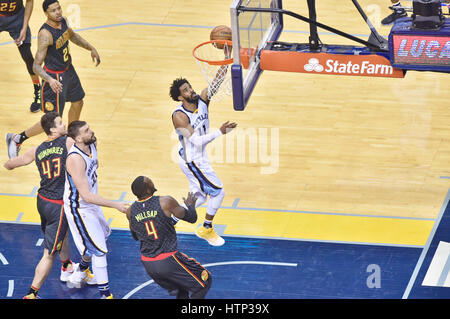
151	224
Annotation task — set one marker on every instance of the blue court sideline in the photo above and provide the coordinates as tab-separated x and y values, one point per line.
242	268
250	268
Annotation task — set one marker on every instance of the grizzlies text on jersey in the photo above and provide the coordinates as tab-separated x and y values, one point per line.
199	120
71	193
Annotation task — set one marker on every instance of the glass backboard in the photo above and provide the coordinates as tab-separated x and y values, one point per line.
251	31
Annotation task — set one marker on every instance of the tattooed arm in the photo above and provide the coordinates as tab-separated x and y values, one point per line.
45	39
78	40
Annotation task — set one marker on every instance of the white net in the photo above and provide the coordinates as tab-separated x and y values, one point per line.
214	59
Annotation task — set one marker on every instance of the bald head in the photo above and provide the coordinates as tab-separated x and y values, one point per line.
142	187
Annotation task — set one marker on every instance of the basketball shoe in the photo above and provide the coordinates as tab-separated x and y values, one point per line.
30	296
36	105
66	272
210	236
397	14
13	147
80	277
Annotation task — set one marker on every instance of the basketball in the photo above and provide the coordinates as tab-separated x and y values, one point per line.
221	32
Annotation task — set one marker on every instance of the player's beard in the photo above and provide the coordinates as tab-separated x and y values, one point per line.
92	140
193	98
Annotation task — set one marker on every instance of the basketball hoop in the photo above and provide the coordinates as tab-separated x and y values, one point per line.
213	63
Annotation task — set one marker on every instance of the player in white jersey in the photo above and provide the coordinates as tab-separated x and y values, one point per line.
87	223
191	121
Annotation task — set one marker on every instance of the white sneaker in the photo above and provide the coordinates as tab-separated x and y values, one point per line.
13	147
66	272
79	278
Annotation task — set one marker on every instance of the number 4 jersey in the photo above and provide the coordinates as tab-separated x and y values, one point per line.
50	159
152	227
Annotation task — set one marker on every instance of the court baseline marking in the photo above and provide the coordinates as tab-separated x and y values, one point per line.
426	248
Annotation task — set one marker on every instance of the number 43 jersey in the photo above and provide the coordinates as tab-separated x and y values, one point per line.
50	159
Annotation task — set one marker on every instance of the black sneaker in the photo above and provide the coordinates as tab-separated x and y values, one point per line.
397	14
36	105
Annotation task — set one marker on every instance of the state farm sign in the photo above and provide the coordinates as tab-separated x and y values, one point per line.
326	63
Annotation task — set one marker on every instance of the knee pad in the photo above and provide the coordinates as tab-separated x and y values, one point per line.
27	56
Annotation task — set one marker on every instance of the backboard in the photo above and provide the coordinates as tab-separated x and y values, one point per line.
251	32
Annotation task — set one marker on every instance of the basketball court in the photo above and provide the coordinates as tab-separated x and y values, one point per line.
337	186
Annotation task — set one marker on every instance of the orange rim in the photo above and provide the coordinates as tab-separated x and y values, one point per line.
213	62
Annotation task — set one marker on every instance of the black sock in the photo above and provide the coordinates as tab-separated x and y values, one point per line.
20	138
84	264
37	87
33	291
104	289
66	263
207	224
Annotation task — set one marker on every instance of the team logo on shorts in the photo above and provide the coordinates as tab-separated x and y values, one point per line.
204	275
58	247
49	106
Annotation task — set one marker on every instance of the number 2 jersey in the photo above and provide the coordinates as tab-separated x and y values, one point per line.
50	159
58	56
72	196
152	227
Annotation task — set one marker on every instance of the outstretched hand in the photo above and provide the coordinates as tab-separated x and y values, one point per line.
227	127
190	200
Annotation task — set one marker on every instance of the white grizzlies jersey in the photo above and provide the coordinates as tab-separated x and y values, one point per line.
199	120
71	194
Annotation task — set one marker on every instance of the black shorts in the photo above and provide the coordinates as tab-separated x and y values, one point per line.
53	223
179	275
72	90
13	25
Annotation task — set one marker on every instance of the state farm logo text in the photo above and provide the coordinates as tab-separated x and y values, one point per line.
351	68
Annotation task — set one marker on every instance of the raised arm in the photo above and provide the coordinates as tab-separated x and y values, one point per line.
171	207
214	87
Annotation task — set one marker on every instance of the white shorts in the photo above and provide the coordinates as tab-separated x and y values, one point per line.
89	229
201	177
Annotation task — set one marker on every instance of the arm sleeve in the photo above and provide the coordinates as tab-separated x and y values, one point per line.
190	215
201	140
